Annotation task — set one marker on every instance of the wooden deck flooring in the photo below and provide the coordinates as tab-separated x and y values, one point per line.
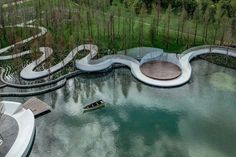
37	106
160	70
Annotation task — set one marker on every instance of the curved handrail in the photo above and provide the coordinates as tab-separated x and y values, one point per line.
17	94
88	64
207	46
85	65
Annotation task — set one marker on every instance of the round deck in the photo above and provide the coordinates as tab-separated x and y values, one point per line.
160	70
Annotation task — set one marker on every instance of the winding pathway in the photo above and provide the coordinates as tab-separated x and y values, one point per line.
87	63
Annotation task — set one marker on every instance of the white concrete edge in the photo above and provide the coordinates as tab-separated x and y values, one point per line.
26	125
84	63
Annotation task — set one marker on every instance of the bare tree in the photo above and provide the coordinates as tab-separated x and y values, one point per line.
196	17
2	23
217	23
141	27
118	19
158	15
168	14
34	49
48	43
206	20
223	31
183	22
1	114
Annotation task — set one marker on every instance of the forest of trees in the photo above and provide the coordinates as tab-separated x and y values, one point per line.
214	21
113	25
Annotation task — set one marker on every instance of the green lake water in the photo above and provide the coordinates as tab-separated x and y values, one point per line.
194	120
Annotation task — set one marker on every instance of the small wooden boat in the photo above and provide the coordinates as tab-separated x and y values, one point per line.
94	106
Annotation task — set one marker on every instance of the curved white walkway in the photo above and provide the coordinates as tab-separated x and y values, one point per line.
89	65
29	73
25	25
26	125
85	65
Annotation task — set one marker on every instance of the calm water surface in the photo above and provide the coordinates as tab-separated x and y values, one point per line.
195	120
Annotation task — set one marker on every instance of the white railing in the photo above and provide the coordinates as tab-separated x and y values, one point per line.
209	47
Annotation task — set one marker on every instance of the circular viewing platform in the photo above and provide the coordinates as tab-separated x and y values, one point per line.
160	70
